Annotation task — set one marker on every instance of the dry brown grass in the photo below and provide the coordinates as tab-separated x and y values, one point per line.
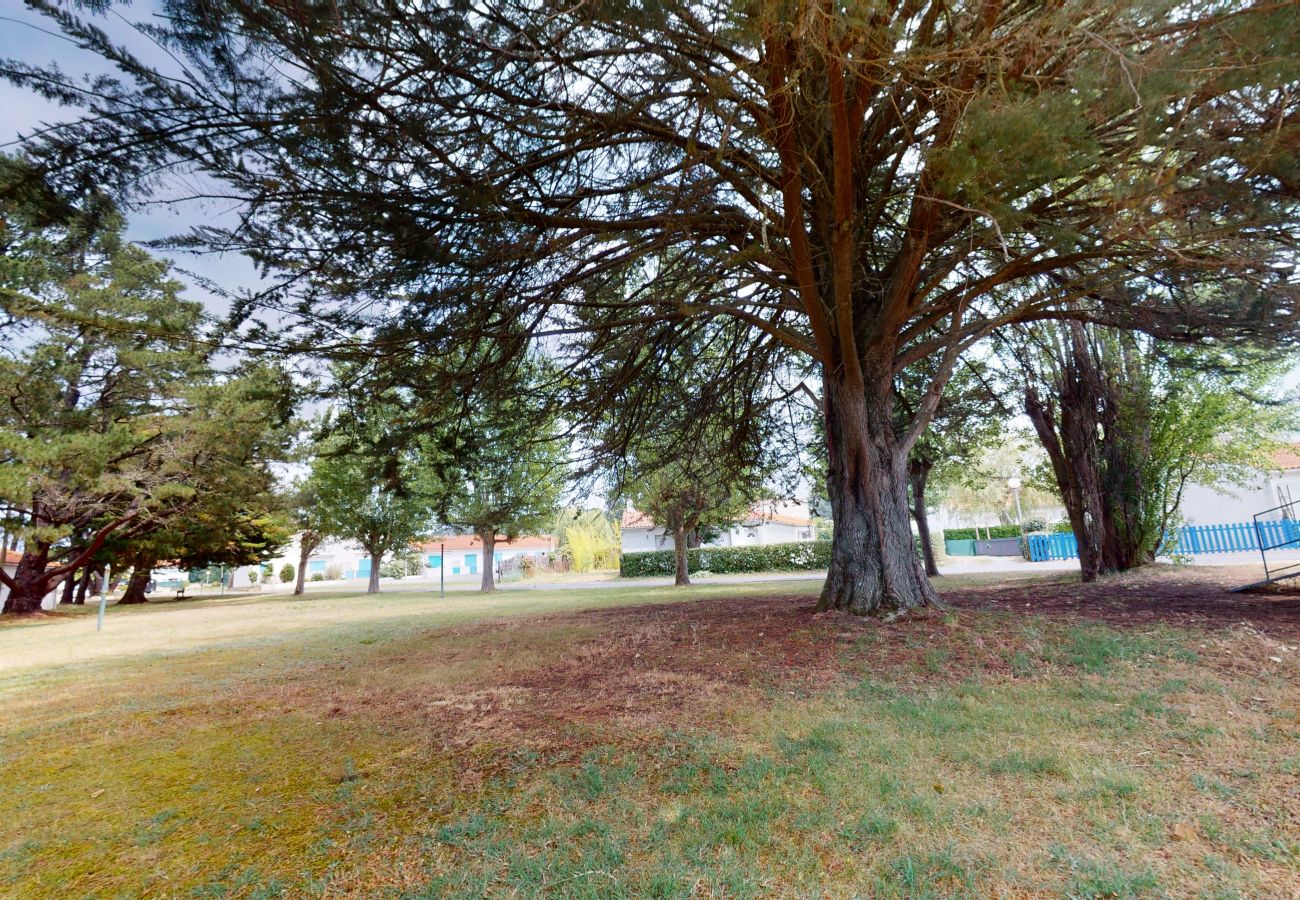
596	746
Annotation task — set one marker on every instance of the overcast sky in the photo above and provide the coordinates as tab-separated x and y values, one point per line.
27	36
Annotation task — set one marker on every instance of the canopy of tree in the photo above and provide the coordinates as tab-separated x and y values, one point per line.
862	186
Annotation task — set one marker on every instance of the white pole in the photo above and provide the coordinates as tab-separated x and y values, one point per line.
103	599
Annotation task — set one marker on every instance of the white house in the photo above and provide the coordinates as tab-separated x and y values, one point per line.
769	522
1225	504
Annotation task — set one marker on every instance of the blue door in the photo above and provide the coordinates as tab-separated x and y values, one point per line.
471	561
363	568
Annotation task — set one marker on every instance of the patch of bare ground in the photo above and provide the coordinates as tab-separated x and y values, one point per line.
1181	597
613	675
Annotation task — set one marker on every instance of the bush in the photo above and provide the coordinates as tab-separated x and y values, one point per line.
253	576
981	533
286	573
792	557
333	572
319	576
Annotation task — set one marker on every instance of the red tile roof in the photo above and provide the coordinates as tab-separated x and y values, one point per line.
472	542
1286	457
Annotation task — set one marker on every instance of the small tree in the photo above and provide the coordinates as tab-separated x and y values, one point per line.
286	573
357	503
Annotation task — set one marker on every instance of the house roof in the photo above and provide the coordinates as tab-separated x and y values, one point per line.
759	513
12	557
473	542
1287	457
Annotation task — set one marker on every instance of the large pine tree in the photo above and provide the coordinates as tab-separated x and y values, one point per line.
864	185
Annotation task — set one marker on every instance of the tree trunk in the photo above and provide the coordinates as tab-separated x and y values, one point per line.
918	473
683	575
307	544
136	584
69	589
373	587
874	568
83	585
489	539
30	582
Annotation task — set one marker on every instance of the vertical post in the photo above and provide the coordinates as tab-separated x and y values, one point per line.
442	569
103	598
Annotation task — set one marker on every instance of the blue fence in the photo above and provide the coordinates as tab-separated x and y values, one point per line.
1237	537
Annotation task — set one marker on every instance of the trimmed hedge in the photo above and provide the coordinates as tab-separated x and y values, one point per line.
969	534
798	556
792	557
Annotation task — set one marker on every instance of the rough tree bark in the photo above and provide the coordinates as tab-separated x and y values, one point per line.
918	473
682	577
1096	461
489	539
141	573
874	569
373	586
30	584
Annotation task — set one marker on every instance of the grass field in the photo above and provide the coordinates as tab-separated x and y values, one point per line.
1033	740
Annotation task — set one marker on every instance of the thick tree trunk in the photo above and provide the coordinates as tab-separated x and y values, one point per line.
918	473
30	582
489	539
373	586
874	568
683	575
135	586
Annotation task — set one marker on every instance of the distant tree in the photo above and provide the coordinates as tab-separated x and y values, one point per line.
968	419
1127	422
235	427
307	517
375	502
496	472
589	537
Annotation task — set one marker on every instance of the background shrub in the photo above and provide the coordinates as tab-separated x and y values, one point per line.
793	557
286	573
970	534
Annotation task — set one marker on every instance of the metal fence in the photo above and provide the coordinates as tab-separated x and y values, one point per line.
1236	537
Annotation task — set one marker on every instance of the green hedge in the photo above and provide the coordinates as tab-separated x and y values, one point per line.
969	534
792	557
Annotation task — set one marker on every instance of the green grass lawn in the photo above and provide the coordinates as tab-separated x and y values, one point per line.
716	741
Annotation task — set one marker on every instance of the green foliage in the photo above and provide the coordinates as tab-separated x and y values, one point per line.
979	534
287	571
588	538
789	557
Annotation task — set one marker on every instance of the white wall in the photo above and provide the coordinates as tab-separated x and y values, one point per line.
1226	504
636	540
